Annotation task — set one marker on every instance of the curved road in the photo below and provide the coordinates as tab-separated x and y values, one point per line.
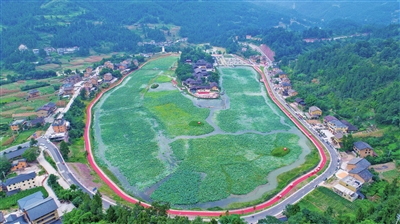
271	211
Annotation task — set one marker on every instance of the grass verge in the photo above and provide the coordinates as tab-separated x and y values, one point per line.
11	201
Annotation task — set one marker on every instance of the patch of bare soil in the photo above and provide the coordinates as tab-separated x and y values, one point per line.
82	173
380	168
93	59
27	114
7	91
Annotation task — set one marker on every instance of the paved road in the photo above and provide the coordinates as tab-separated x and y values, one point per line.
15	147
331	169
64	170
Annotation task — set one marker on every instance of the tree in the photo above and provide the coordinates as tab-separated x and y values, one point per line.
83	94
33	141
5	165
31	154
269	219
64	149
348	142
67	71
291	210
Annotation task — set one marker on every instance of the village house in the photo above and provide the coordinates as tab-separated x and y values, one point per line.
358	168
18	125
335	126
328	119
88	84
350	127
351	183
73	79
363	149
22	182
292	92
89	70
286	85
282	75
37	210
37	122
46	109
108	77
94	80
299	102
19	164
347	188
33	93
67	89
314	112
109	65
345	192
59	125
337	139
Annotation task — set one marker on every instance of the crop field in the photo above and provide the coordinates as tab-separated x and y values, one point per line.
153	136
248	109
322	198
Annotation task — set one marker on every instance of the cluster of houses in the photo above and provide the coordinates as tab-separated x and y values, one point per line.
198	85
282	84
352	180
49	50
24	124
338	128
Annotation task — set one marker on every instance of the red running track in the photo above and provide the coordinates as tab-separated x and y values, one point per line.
261	206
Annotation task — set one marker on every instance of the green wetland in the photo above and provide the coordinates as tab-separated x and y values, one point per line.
152	142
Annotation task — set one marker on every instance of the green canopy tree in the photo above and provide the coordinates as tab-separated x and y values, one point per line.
64	149
5	165
31	154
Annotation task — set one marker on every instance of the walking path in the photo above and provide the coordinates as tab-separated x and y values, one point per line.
50	170
62	207
261	206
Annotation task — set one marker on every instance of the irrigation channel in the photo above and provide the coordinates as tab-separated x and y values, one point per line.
224	103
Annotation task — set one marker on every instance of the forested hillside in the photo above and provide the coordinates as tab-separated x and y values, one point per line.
356	80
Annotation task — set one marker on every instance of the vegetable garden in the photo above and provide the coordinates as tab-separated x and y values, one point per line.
156	136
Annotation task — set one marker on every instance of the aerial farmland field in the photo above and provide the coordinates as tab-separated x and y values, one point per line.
167	146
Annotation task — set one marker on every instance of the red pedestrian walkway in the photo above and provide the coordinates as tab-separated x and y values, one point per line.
261	206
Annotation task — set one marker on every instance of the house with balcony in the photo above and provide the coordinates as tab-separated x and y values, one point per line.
335	126
363	149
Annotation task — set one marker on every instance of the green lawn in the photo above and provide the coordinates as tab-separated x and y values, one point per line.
11	201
